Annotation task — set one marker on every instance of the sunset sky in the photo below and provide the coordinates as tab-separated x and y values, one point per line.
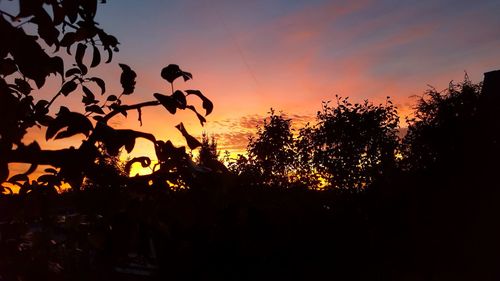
249	56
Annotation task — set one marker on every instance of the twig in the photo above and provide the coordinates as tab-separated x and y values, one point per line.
127	108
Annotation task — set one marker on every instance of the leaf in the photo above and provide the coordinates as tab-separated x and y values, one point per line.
88	92
127	79
200	117
191	141
73	71
167	101
128	140
206	103
58	13
71	9
89	7
46	29
18	178
28	8
80	52
96	58
110	55
7	66
56	65
116	106
180	99
68	39
144	161
68	87
89	97
76	123
94	108
83	68
172	72
44	120
23	86
99	83
51	170
50	179
41	107
115	139
112	98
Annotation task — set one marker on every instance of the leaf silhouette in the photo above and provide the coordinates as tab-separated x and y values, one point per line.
23	86
18	178
200	117
94	108
190	140
51	170
88	92
73	71
80	52
180	99
7	66
99	83
110	55
68	87
68	39
96	58
115	139
127	79
144	161
167	101
206	103
173	71
76	123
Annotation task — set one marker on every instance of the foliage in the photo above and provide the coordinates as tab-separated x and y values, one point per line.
208	151
353	144
270	154
435	218
442	122
23	60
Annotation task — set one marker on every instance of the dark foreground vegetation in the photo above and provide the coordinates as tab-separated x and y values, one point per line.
342	199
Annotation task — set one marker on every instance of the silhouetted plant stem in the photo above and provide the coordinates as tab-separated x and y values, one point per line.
53	99
129	107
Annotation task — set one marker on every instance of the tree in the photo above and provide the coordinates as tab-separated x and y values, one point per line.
352	144
270	154
208	150
24	62
441	125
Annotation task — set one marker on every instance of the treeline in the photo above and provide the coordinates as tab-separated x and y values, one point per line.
423	207
353	145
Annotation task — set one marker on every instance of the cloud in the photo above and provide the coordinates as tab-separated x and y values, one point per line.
233	133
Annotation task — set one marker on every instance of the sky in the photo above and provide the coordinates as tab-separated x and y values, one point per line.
249	56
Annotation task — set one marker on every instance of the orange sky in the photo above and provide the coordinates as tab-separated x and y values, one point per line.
249	56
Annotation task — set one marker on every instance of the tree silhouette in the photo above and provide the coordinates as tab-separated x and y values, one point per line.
352	144
270	154
25	60
441	125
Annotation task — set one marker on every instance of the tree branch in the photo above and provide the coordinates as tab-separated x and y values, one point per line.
55	158
127	108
